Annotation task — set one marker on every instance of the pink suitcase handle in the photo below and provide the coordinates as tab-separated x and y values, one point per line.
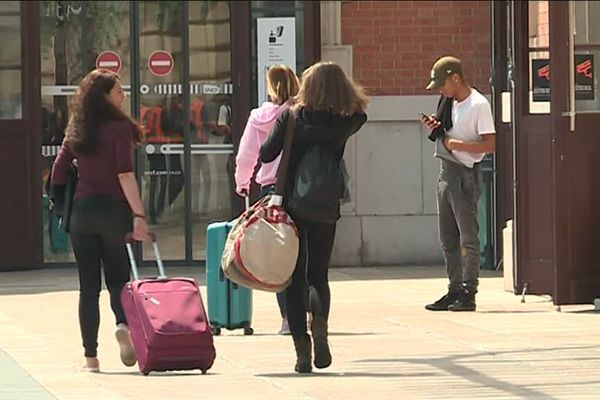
134	269
129	237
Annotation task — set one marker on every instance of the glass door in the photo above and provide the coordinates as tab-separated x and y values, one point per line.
187	160
174	59
211	144
175	62
160	159
75	37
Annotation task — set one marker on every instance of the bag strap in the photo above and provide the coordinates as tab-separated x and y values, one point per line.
285	158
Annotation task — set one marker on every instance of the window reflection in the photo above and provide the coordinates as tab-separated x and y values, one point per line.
539	58
11	101
211	99
73	34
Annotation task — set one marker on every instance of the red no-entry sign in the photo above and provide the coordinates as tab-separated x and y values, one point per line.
109	60
161	63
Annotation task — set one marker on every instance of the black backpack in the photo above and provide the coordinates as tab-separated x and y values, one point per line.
318	185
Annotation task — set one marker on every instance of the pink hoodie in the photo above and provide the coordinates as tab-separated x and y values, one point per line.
257	131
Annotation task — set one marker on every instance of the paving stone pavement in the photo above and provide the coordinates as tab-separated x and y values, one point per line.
384	344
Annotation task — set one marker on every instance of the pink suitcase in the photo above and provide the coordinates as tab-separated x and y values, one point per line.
167	321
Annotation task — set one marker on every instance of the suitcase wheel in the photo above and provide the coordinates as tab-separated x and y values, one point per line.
248	331
216	330
145	373
203	371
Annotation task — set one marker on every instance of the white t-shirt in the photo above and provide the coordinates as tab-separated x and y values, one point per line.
471	118
224	114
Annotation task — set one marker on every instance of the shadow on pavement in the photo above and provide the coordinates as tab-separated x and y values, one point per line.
451	365
592	311
514	311
170	374
346	374
354	334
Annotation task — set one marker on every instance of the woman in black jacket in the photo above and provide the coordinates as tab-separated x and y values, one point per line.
329	109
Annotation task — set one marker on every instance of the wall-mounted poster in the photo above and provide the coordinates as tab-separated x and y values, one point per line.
584	78
276	45
540	69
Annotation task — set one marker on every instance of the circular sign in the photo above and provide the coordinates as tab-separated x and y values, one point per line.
109	60
161	63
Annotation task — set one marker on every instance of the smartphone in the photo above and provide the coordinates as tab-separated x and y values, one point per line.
425	117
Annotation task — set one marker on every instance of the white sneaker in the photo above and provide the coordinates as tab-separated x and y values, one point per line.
91	365
285	327
126	347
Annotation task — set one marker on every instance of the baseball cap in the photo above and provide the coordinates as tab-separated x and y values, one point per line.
443	68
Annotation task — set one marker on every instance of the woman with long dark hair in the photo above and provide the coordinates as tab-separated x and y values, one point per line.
101	137
329	108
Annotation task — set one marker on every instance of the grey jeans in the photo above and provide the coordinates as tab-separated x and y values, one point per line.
458	194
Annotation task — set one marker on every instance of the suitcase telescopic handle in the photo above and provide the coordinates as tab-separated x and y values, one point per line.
247	201
134	269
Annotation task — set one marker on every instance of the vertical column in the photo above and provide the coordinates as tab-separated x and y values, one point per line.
331	23
187	160
332	48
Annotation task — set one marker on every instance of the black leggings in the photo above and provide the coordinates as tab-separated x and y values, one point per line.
98	227
316	243
281	299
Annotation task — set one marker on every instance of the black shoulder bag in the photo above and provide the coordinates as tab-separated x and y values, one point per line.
62	198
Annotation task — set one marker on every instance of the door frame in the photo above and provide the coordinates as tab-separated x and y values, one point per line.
558	13
26	252
533	260
533	272
504	142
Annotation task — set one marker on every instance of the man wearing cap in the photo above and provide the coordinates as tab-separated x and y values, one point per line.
464	129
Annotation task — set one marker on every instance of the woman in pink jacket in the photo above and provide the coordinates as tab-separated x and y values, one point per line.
282	86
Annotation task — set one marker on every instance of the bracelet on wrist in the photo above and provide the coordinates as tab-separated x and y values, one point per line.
142	216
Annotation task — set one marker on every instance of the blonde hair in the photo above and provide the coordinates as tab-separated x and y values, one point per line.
282	83
325	86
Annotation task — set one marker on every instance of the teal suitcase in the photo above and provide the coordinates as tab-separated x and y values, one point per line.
229	305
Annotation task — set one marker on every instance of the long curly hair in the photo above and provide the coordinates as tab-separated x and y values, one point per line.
90	108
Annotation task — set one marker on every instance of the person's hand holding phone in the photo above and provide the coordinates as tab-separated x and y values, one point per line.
430	121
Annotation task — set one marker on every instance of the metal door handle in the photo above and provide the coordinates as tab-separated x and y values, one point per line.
572	99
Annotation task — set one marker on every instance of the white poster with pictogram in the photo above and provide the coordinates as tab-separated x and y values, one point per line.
276	39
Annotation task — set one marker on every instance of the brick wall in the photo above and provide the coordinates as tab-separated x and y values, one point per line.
396	42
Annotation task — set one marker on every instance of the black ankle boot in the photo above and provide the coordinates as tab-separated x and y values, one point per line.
303	355
465	302
319	334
